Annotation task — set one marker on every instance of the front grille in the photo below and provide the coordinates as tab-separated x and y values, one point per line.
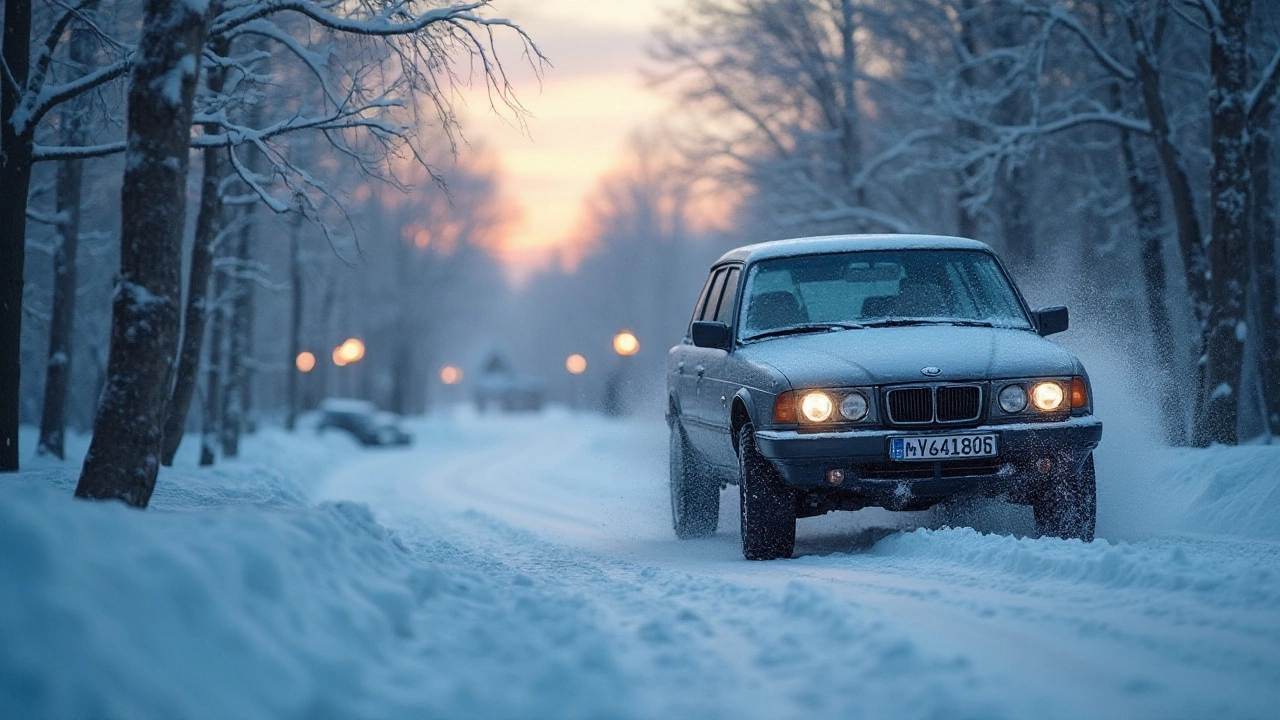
911	405
949	404
959	403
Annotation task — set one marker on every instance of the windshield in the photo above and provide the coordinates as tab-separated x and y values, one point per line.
843	290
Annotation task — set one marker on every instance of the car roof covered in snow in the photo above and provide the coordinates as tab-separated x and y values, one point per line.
847	243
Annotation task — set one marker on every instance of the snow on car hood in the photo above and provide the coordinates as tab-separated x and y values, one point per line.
878	356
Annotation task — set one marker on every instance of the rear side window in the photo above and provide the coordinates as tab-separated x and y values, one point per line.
713	298
725	313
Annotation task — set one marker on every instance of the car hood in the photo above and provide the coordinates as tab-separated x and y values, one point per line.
880	356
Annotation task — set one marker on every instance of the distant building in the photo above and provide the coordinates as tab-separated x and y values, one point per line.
500	387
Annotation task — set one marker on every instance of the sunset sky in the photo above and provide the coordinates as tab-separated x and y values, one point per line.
591	100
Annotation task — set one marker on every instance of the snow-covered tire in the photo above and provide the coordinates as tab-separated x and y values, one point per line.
768	504
695	494
1068	506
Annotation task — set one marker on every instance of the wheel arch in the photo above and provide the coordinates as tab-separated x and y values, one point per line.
740	414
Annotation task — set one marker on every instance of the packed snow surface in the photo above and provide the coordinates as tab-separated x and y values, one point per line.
525	567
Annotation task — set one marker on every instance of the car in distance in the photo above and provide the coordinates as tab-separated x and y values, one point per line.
363	421
894	371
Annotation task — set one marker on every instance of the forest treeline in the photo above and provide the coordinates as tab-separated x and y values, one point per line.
198	193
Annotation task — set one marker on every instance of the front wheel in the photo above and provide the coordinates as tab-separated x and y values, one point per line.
768	504
1068	507
695	495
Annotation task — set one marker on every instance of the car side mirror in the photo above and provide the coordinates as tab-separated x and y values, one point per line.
710	335
1050	321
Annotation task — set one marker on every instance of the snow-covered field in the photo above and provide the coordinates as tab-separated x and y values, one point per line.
525	567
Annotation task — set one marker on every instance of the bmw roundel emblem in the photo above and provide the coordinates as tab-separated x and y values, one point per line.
931	371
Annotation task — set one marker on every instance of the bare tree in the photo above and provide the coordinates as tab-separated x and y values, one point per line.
53	424
124	455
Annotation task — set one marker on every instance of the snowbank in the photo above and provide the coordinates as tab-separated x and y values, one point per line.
232	598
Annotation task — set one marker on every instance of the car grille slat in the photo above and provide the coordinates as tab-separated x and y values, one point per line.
959	403
944	404
911	405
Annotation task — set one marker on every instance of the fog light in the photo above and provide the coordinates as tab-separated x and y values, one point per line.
835	477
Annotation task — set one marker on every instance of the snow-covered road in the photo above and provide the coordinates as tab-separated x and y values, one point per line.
869	619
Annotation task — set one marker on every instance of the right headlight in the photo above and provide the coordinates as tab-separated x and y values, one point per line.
1047	396
1013	399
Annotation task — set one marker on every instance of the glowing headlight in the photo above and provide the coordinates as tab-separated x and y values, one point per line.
817	407
1013	399
1047	396
854	406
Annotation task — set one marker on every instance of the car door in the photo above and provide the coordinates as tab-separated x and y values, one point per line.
683	378
715	388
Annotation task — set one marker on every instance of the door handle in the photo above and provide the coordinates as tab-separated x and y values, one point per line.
680	366
700	370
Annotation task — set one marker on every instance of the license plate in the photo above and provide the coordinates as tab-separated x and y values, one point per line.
931	448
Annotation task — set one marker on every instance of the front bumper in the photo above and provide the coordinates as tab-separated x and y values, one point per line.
804	460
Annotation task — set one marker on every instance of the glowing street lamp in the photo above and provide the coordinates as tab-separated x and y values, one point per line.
575	364
626	344
339	358
352	350
306	361
450	375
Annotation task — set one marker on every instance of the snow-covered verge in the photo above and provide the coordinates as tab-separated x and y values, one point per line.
232	597
525	568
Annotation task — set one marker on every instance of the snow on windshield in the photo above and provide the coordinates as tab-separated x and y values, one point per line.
867	287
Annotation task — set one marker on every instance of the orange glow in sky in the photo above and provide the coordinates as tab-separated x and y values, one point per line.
592	98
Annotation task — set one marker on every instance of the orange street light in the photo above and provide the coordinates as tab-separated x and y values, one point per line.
450	375
575	364
338	358
352	350
625	343
305	361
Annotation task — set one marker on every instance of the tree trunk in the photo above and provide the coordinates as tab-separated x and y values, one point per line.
295	321
15	178
1146	207
233	390
212	405
1187	219
208	225
1264	263
1230	187
124	456
53	415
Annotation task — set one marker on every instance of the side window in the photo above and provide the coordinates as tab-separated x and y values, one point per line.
702	299
713	297
725	313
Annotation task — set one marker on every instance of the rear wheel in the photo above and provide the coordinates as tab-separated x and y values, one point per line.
768	504
1068	507
695	494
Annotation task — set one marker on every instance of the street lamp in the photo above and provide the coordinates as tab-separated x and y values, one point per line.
575	364
305	362
450	375
626	344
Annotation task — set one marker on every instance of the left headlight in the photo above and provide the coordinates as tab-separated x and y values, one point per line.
817	406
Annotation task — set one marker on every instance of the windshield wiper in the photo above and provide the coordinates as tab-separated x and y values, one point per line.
901	322
807	328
